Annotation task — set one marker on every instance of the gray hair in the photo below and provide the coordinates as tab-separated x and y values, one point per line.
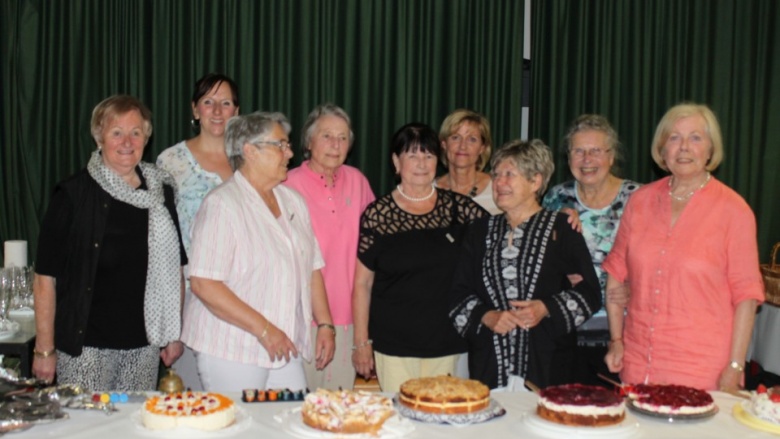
251	128
595	122
530	158
311	124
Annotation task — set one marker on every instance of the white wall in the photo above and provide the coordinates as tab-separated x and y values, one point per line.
526	55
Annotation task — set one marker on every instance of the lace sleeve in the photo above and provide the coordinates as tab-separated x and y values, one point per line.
467	210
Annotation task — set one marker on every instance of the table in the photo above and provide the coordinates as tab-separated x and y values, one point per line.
765	343
20	345
518	405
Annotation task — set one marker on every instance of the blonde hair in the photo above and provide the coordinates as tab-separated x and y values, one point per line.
679	111
114	106
455	120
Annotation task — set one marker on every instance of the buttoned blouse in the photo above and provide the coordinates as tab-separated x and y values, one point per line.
335	215
266	261
686	281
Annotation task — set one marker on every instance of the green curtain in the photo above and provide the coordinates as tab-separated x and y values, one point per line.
631	60
385	62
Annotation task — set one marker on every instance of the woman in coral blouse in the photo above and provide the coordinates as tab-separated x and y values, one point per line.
687	248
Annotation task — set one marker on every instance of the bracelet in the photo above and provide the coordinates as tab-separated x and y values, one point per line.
736	365
368	342
326	325
615	340
265	330
43	354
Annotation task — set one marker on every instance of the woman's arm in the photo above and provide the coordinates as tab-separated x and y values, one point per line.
45	357
325	344
225	305
173	350
363	354
744	315
615	317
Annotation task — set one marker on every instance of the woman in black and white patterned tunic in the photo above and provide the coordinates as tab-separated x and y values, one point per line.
525	279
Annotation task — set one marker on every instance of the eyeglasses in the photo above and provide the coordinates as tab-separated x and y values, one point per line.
281	144
593	152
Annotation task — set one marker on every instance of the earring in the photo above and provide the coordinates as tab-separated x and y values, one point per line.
195	123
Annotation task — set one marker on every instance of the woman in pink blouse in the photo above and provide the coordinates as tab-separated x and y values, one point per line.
336	194
687	248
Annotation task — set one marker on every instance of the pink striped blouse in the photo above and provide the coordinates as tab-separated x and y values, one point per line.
266	261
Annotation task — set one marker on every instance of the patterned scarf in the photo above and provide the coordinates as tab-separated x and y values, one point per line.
162	295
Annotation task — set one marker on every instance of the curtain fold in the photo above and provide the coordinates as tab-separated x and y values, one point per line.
632	60
386	62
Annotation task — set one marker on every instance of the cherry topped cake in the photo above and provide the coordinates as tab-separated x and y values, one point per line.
581	405
670	399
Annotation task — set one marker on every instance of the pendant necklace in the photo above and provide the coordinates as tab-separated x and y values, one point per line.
689	194
416	199
472	193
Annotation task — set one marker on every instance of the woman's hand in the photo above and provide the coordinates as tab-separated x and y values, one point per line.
363	359
325	346
278	345
574	218
729	379
614	357
501	322
619	295
44	368
171	352
529	312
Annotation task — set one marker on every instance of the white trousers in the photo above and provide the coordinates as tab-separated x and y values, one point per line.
231	376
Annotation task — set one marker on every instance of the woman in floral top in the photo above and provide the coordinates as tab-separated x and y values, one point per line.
599	197
198	165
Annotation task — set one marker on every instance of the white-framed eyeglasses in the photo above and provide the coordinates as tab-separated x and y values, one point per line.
281	144
593	152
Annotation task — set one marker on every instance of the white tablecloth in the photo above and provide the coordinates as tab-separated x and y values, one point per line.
765	344
512	425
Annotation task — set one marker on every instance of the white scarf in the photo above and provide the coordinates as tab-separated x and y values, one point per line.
162	296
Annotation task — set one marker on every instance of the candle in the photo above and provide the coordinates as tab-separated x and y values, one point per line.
15	254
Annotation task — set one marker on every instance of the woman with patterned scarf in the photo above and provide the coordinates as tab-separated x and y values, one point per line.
525	279
108	285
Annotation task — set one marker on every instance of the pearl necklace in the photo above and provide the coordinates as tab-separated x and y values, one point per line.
416	199
689	194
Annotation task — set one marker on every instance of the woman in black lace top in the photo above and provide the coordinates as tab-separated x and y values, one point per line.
409	242
524	280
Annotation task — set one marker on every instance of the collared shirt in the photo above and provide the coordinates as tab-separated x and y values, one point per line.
335	215
686	281
266	261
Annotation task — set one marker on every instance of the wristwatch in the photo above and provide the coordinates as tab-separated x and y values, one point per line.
736	365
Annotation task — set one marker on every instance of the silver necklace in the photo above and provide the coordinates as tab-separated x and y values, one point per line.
416	199
689	194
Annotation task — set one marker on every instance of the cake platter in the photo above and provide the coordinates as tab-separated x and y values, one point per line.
242	422
742	412
292	423
493	410
627	428
672	417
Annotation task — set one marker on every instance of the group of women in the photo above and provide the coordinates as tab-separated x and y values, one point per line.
241	274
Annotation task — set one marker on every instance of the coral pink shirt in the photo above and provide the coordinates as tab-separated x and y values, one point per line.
686	281
335	215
